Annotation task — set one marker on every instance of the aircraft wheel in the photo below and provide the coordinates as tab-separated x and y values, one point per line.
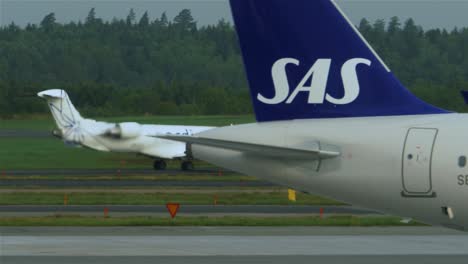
186	165
159	165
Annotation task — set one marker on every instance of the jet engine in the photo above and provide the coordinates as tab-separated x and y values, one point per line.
125	130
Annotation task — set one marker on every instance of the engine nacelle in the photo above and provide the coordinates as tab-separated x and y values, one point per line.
126	130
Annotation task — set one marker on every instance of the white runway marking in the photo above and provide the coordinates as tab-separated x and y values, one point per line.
338	245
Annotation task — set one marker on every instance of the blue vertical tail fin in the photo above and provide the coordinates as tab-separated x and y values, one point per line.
305	59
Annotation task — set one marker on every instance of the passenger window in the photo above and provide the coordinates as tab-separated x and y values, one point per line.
462	161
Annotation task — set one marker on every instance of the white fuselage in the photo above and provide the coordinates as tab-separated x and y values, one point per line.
94	135
402	165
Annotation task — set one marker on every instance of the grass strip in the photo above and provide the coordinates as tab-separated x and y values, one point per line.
58	220
255	198
140	189
51	153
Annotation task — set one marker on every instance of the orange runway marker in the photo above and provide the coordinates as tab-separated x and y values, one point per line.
321	212
173	208
106	212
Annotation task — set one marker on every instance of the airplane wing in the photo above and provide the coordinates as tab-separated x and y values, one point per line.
309	150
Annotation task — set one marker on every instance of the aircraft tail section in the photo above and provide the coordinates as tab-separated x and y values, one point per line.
305	59
65	114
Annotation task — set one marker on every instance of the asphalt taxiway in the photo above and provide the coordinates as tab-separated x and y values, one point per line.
233	245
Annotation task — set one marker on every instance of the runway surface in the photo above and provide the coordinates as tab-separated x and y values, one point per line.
184	210
233	245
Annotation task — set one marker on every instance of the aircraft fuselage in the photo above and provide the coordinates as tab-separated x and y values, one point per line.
411	166
89	133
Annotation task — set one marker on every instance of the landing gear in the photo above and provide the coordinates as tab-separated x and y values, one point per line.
186	165
159	165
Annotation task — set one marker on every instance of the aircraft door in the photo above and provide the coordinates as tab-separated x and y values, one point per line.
417	162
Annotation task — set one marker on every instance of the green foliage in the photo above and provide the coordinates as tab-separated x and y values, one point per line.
91	18
433	64
97	198
36	153
124	66
144	20
48	22
141	66
74	220
131	17
46	123
185	22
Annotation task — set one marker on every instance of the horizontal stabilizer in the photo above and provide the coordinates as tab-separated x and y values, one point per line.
312	150
53	93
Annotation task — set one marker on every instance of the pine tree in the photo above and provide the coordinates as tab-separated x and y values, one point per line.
144	20
91	18
164	21
184	21
48	23
394	25
131	17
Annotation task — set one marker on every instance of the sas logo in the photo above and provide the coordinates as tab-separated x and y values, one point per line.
318	76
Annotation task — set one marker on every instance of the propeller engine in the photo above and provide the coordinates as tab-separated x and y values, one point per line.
125	130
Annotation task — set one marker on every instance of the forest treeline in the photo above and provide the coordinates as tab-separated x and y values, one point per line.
138	65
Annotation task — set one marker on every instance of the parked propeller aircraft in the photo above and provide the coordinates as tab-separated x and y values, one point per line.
333	120
122	137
